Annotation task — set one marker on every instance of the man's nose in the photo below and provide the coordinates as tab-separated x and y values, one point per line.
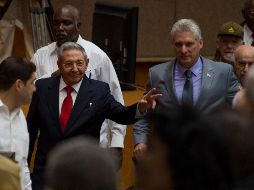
74	68
183	48
230	45
61	26
246	68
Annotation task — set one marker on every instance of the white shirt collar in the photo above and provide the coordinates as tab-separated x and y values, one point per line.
62	85
247	36
247	30
13	113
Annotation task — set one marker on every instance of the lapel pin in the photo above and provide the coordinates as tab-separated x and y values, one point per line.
90	104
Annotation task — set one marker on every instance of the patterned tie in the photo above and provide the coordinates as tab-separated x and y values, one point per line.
66	108
187	97
252	39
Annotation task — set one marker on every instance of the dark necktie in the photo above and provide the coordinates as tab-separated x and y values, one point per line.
252	39
187	97
66	108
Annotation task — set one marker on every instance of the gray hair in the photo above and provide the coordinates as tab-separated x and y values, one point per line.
186	25
70	46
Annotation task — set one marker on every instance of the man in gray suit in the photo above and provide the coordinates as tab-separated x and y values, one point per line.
188	79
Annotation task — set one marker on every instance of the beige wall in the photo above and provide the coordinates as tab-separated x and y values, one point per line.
155	20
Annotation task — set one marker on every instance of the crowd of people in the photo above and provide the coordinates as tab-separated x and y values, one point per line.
193	128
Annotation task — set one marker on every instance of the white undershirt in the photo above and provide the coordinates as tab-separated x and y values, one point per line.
247	38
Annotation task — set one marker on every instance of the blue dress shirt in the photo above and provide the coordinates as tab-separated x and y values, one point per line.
179	80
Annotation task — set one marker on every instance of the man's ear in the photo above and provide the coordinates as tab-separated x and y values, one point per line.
201	43
58	63
19	84
87	62
78	26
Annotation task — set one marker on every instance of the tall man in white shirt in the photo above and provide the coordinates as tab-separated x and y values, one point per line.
66	26
17	78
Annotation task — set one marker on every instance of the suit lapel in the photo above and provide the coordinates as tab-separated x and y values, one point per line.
84	96
53	101
208	75
169	81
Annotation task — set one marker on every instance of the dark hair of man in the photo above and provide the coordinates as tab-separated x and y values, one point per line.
197	152
80	164
238	130
14	68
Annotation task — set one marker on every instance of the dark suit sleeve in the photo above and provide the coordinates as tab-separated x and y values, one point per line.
116	112
233	85
32	126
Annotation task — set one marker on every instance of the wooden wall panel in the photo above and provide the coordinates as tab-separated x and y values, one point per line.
155	20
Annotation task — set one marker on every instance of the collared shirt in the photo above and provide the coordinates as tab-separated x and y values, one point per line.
63	93
99	68
14	138
247	32
179	80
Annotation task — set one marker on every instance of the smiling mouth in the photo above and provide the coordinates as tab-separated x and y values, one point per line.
60	35
76	75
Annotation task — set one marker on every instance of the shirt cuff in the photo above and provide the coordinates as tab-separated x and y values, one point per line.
139	115
117	141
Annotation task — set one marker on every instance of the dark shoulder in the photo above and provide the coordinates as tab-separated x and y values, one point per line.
45	81
97	84
43	84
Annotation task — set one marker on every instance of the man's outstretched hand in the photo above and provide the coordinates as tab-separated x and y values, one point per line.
148	101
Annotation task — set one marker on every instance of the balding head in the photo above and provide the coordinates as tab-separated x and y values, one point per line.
71	9
244	58
240	102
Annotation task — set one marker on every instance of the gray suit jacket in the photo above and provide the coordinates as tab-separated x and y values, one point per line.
218	88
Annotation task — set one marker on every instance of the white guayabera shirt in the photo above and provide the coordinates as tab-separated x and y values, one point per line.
14	140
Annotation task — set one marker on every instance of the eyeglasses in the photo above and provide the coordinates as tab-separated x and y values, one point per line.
244	63
70	64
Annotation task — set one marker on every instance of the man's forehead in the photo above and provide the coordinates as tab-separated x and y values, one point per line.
73	53
184	41
184	37
245	59
64	13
